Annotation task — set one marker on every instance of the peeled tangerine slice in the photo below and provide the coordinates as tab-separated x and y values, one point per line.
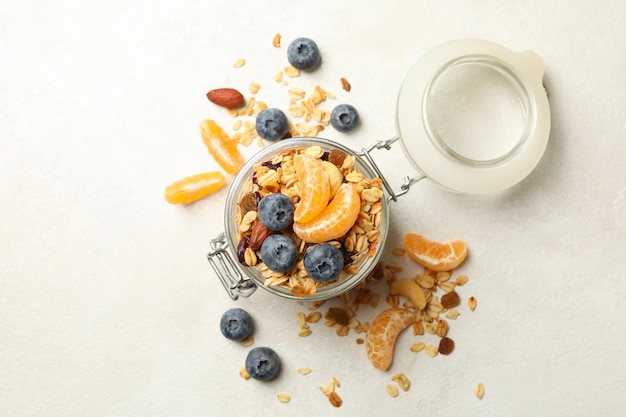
194	188
335	220
221	147
382	334
314	187
437	256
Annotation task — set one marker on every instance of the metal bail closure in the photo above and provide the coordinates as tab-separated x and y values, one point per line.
407	181
226	269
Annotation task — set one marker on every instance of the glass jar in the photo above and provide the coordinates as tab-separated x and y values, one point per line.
241	280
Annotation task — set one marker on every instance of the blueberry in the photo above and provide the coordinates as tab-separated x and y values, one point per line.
276	211
303	54
279	253
344	117
262	363
236	324
323	262
271	124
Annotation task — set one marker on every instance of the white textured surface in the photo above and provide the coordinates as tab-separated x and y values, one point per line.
107	304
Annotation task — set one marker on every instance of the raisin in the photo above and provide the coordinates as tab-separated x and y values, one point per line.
248	203
336	157
243	244
270	165
446	346
450	300
338	314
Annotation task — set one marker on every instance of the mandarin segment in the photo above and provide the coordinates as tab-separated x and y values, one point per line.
194	187
314	187
221	147
381	337
335	220
437	256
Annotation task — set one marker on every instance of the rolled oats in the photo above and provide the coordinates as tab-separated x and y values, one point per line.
303	370
239	62
461	280
431	350
249	341
472	303
452	314
402	381
254	87
392	390
276	40
283	397
292	72
417	346
313	317
479	390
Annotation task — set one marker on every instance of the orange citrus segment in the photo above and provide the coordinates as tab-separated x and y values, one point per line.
335	220
221	146
382	334
314	187
194	188
438	256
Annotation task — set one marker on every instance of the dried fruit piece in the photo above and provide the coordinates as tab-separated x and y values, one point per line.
382	334
335	220
249	202
194	187
446	346
314	187
229	98
435	255
221	147
450	300
336	157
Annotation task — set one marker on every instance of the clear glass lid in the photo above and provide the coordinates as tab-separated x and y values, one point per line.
474	116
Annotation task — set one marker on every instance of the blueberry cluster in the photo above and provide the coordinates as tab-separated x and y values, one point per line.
323	262
262	363
272	124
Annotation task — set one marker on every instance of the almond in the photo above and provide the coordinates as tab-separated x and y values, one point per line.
259	233
226	97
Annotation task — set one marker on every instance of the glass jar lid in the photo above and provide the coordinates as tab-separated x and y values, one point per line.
473	116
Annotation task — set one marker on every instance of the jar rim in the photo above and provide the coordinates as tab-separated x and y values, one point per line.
501	68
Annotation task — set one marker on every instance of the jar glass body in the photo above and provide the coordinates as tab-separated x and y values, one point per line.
323	291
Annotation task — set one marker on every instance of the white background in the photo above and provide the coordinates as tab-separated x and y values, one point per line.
108	306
